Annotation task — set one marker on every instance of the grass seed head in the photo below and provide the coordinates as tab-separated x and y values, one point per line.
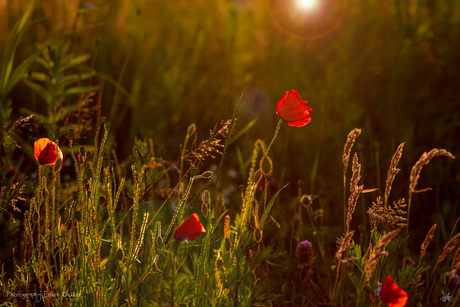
348	145
456	261
424	160
448	248
427	241
377	252
354	189
393	170
344	245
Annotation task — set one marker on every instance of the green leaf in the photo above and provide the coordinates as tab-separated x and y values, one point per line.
80	90
7	56
74	61
38	76
41	91
69	79
217	220
20	71
46	64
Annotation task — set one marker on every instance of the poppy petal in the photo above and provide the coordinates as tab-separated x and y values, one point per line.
47	152
293	110
190	229
391	294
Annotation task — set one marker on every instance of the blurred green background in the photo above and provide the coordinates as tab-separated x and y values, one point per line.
391	68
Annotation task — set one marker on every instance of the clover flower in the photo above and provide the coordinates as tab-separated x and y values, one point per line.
304	252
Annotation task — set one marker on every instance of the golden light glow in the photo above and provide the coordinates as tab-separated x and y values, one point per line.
307	5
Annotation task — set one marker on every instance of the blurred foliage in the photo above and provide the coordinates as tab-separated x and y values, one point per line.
390	68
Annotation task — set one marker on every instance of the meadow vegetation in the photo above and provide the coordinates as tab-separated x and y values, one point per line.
121	120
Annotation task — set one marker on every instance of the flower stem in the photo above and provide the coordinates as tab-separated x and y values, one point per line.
275	135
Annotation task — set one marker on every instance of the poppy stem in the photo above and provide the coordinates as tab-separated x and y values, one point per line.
275	135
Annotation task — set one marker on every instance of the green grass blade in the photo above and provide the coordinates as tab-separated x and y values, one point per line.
270	205
244	130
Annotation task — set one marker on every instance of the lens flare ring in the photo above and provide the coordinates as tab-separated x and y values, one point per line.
309	5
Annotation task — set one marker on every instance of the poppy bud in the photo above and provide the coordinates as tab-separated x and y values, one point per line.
451	278
304	252
57	164
207	174
409	261
101	120
191	130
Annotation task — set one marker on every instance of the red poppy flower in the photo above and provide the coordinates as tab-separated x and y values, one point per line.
190	229
47	152
391	294
293	110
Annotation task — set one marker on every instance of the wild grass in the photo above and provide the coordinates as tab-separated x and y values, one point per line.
99	230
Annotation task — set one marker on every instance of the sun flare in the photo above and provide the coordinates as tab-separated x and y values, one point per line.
307	5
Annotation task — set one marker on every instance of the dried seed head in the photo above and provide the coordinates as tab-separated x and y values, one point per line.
344	245
377	252
392	171
356	168
394	215
448	248
376	213
348	145
304	252
354	189
427	241
456	261
424	160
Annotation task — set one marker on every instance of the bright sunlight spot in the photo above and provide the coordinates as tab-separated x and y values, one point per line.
307	4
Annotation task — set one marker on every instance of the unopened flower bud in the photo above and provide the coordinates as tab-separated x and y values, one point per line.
207	174
101	120
191	130
409	261
451	279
